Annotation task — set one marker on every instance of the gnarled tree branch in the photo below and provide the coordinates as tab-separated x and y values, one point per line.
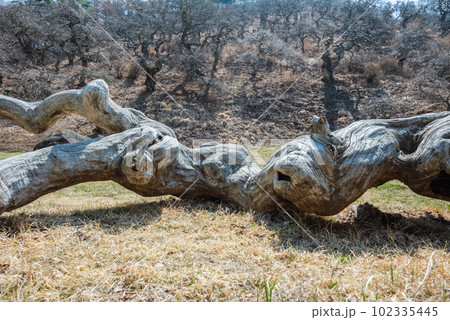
320	173
93	103
325	172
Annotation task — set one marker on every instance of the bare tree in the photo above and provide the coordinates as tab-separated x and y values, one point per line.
433	76
360	27
442	8
31	29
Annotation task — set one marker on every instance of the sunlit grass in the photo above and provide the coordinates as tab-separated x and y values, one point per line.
4	155
261	155
394	196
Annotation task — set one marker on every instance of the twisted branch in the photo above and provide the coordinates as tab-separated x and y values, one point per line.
93	103
320	173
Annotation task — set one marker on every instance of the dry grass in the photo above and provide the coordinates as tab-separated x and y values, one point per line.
100	242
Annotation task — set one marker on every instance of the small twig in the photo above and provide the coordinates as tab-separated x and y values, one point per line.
427	273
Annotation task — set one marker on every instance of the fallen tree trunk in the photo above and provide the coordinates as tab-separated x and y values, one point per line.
320	173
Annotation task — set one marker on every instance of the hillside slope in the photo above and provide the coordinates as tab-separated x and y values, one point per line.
243	108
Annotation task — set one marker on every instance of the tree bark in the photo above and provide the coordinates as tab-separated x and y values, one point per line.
93	103
27	177
325	172
319	173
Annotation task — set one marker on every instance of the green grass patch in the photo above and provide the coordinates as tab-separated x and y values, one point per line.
261	155
394	196
5	155
94	189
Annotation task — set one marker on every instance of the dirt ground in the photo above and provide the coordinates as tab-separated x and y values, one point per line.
243	110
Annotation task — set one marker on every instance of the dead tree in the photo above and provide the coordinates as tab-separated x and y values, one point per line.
320	173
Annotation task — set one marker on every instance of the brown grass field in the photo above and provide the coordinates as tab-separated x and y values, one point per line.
101	242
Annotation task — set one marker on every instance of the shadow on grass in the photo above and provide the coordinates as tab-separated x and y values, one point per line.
111	220
360	230
363	229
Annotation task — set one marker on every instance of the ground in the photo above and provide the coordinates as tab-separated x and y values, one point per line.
101	242
250	110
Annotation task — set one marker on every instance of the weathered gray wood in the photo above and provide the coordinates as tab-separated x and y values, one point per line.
141	159
320	173
325	172
93	103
